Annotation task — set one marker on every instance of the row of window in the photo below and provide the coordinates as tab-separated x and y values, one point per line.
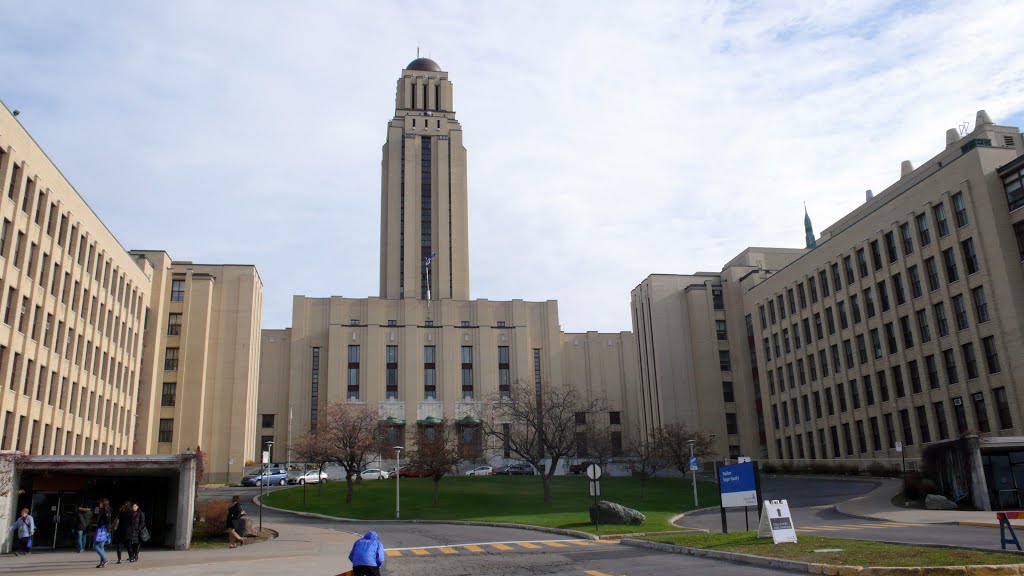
97	410
430	323
906	242
806	447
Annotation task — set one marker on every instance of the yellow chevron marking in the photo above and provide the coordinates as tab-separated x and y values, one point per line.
448	550
392	553
501	546
554	544
474	548
528	545
420	552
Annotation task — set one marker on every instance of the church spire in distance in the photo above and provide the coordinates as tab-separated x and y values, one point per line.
809	230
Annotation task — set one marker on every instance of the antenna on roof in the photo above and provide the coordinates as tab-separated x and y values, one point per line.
963	128
417	49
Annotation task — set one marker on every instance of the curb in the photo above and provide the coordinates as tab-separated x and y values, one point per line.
829	569
559	531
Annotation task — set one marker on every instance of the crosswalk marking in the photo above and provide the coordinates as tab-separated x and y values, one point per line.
484	547
474	548
448	550
581	542
528	545
392	553
420	552
595	573
501	547
555	544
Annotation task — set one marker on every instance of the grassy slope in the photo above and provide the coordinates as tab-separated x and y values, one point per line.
517	499
854	552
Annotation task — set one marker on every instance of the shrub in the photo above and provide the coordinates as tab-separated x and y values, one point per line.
916	486
768	468
822	468
210	519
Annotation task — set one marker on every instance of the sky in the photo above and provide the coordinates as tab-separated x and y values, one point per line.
606	140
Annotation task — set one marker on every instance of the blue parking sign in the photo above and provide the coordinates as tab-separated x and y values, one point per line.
693	463
738	485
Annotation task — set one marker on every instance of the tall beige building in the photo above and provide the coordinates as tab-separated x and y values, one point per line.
200	369
424	350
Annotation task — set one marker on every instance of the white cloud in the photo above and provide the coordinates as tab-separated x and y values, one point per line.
607	141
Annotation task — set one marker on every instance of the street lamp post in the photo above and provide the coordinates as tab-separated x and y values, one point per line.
398	476
691	442
263	480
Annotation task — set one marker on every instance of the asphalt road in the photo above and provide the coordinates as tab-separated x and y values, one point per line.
811	502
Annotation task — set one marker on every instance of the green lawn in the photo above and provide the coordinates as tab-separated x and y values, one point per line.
854	552
514	499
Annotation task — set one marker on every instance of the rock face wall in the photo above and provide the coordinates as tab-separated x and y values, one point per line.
605	512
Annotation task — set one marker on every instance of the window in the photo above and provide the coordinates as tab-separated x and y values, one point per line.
1003	409
908	431
949	359
723	361
848	268
391	373
890	246
848	438
501	324
939	410
764	320
817	404
908	241
823	280
848	352
862	349
861	440
915	377
970	256
166	430
897	288
817	326
467	372
897	380
464	324
731	426
980	412
771	311
961	415
915	282
980	305
828	318
836	364
837	280
933	274
716	298
940	318
883	386
991	354
890	337
862	263
970	360
960	310
883	295
171	359
854	394
844	322
177	290
908	333
939	211
429	374
1012	183
727	392
168	394
922	424
174	325
813	287
782	306
842	397
504	381
890	430
353	371
720	330
923	233
876	256
933	371
823	361
828	402
775	416
855	308
615	418
959	209
876	344
354	322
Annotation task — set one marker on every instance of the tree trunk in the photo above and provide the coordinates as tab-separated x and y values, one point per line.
348	494
548	497
437	487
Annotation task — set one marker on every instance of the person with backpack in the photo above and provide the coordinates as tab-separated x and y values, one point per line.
367	555
137	533
102	535
26	528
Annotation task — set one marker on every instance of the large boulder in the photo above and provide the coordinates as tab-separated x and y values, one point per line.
249	527
938	502
605	512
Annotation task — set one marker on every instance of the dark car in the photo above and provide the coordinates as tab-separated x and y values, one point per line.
515	470
580	468
410	472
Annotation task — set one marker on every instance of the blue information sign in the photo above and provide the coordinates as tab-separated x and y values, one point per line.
738	485
693	463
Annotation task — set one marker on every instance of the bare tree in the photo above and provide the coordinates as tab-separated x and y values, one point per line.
675	440
538	423
10	467
646	455
313	448
598	446
347	434
437	451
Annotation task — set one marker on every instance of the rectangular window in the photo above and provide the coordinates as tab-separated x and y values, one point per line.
980	412
960	310
949	360
970	360
890	337
1012	183
922	424
876	255
829	320
801	295
764	319
848	352
848	268
939	410
855	308
844	322
467	372
828	402
353	371
720	330
823	361
908	333
170	359
1003	408
177	290
817	404
883	386
915	377
862	263
174	324
841	393
980	304
940	319
848	438
890	246
959	209
991	354
835	442
817	326
897	288
916	290
823	280
883	295
168	394
854	394
391	373
970	256
862	443
812	285
723	360
837	280
890	430
717	299
961	415
908	430
908	241
869	392
933	371
939	211
876	436
862	349
727	392
429	374
897	381
782	306
166	430
504	381
949	259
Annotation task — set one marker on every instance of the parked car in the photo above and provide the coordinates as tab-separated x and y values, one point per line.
480	471
373	474
580	468
515	470
309	477
270	476
410	472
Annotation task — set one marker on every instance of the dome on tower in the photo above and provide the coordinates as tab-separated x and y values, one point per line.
424	64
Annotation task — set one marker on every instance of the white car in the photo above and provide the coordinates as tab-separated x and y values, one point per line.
373	474
310	477
480	471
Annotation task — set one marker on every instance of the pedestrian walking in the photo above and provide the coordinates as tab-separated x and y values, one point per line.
83	518
137	532
26	528
367	555
102	535
119	530
235	524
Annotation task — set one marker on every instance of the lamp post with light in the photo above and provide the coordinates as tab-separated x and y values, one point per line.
263	480
691	442
398	476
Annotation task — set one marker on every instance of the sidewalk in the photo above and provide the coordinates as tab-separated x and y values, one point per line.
299	549
877	505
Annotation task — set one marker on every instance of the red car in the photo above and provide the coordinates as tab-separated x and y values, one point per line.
410	472
580	468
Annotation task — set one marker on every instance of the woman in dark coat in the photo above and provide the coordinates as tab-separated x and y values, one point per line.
137	532
119	529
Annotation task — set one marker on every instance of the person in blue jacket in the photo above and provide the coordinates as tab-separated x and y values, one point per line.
367	555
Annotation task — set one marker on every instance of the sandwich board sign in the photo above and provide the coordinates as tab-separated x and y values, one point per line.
777	522
738	485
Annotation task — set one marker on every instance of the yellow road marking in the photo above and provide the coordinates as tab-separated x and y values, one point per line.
528	545
474	548
581	542
554	544
448	550
392	553
595	573
420	552
501	547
